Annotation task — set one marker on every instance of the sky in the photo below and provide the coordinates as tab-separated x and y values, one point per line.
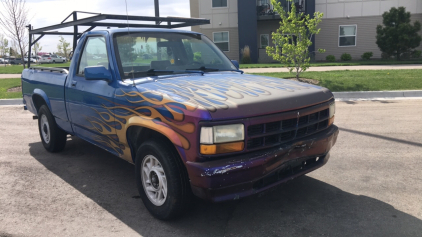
49	12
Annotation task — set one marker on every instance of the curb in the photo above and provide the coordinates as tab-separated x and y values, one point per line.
368	95
11	102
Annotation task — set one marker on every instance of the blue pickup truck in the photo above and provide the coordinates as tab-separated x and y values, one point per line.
171	103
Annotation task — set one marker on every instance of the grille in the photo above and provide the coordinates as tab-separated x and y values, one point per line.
277	132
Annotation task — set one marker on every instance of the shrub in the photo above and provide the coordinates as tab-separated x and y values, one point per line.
346	57
385	56
416	54
330	58
246	55
367	55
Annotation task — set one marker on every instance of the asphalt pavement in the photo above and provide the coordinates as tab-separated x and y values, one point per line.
371	186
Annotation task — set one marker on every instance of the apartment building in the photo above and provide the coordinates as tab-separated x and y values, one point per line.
348	26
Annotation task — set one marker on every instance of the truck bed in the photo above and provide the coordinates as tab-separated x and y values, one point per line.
47	83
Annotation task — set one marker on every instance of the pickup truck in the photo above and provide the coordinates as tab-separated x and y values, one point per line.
189	120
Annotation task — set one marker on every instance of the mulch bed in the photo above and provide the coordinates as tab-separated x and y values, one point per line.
15	89
306	80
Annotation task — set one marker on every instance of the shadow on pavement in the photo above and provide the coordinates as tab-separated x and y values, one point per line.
303	207
381	137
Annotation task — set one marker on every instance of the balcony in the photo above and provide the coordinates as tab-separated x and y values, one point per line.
265	10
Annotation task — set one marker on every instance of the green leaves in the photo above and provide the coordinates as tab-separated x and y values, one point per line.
397	36
294	37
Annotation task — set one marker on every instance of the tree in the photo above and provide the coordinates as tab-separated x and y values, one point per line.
4	43
13	18
398	35
63	46
294	37
37	48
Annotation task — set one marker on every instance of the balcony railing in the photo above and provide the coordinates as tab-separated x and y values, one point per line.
264	7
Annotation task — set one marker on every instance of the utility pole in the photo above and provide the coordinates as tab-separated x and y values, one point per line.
157	11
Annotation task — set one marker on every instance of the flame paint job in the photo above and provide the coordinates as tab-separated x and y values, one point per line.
173	107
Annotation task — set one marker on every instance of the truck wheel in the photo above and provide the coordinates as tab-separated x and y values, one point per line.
162	180
53	138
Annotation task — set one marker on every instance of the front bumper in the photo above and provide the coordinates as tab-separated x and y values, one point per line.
246	174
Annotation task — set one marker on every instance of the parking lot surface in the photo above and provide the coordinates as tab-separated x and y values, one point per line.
371	186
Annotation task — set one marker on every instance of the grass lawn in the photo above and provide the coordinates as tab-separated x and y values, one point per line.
362	80
17	69
9	83
322	64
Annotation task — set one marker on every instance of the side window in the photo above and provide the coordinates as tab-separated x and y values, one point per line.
94	54
347	36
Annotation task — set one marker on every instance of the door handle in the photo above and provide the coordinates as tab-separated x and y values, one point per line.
74	83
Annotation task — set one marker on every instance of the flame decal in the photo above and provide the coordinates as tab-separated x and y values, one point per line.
171	107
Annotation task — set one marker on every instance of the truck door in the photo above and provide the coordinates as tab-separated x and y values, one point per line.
89	102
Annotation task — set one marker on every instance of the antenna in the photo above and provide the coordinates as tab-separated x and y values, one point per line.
128	35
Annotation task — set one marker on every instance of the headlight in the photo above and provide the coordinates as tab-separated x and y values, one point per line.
332	113
222	139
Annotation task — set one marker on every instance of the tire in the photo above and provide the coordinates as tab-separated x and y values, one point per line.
54	61
53	138
175	180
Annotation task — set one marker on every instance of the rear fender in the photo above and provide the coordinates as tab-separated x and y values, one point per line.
43	95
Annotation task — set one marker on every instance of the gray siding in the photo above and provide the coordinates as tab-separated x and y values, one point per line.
233	54
365	42
266	27
194	13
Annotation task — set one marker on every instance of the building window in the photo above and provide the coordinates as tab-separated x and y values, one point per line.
219	3
265	39
221	39
347	36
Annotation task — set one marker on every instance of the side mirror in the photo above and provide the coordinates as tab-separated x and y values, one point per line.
235	63
97	73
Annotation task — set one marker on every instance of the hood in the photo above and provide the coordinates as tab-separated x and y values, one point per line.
233	95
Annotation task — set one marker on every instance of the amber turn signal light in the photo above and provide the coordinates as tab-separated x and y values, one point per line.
222	148
331	120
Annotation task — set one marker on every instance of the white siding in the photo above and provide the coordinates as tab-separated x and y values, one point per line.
221	17
357	8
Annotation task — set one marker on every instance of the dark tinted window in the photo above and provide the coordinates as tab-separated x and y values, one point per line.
219	3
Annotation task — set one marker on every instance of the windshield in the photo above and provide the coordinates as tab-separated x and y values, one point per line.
139	54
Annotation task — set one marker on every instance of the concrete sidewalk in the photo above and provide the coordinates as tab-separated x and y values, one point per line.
337	68
5	76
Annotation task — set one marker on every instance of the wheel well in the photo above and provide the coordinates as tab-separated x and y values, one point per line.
137	135
38	101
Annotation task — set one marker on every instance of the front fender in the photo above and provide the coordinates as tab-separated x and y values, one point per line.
176	138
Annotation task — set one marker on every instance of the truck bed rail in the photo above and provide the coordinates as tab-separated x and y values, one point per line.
51	69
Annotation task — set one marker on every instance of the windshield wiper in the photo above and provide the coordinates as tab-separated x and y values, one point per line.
208	69
154	72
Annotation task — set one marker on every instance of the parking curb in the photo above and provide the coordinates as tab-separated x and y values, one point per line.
370	95
11	102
